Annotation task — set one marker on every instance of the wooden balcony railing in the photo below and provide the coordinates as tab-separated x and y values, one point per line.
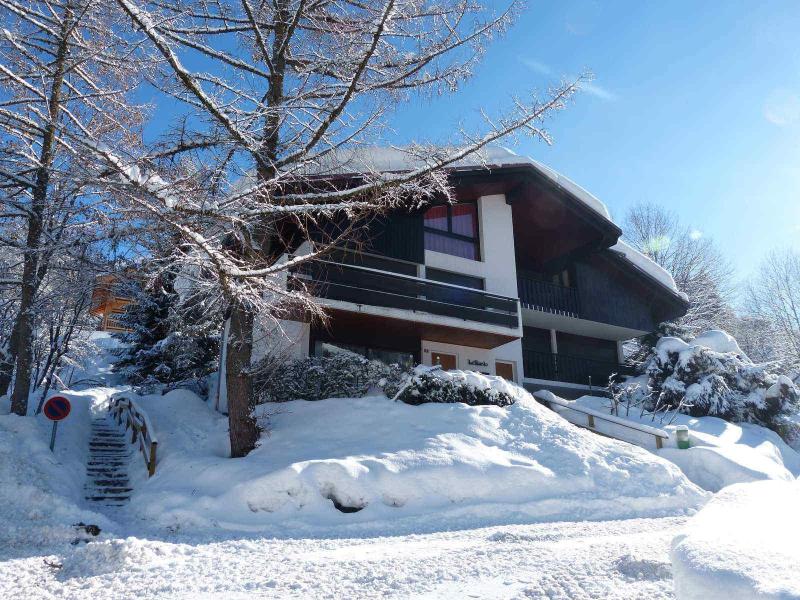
548	297
127	411
367	286
571	369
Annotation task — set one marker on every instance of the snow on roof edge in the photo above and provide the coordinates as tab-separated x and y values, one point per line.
647	265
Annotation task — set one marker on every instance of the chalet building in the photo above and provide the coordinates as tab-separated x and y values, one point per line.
108	303
523	277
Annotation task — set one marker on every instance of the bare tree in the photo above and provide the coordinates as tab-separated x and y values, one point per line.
283	90
693	261
773	298
65	75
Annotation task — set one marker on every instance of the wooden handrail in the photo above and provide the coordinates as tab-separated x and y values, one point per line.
549	399
136	420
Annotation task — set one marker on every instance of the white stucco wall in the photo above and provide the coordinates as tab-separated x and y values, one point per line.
497	265
510	352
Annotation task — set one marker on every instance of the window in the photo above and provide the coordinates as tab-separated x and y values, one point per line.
446	361
389	357
453	229
504	369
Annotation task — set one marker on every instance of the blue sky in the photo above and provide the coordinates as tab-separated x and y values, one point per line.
695	105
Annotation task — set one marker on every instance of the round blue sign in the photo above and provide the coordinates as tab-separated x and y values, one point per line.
57	408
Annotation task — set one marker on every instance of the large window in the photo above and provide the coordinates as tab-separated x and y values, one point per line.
389	357
453	229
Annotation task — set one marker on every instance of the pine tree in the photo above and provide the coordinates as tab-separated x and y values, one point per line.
165	344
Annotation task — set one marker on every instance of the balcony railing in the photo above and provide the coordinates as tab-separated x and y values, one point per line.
571	369
548	297
367	286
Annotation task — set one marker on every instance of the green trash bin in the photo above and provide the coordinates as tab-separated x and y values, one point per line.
682	436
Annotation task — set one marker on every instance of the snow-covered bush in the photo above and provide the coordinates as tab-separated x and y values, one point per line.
428	384
712	376
340	375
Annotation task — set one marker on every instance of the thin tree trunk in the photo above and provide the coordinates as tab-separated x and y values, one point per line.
7	360
244	431
242	424
31	267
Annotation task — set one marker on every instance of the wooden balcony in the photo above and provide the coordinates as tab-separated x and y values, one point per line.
544	296
571	369
366	286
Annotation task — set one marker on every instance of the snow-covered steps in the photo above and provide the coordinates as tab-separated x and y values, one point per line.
107	469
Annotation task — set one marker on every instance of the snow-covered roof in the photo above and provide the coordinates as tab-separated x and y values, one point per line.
647	265
369	159
382	159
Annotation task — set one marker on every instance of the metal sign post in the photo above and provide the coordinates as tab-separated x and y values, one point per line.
56	409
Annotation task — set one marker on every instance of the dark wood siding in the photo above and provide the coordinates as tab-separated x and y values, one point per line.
608	296
535	339
398	235
587	347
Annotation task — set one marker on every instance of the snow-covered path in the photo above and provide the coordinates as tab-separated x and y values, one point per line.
571	561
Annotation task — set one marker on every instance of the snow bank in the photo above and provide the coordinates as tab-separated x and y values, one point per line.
405	468
41	493
721	453
743	544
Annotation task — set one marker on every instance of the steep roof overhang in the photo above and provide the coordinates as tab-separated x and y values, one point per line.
552	226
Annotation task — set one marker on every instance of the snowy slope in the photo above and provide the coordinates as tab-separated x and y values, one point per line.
411	468
41	493
721	453
743	545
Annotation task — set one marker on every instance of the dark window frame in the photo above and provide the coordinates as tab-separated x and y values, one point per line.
457	236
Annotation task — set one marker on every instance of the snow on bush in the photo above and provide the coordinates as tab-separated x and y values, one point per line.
712	376
432	384
341	374
345	374
401	467
743	544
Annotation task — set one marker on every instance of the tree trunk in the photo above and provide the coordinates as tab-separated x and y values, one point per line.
7	360
244	431
31	268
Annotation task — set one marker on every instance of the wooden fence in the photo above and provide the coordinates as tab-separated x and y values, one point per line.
588	416
125	409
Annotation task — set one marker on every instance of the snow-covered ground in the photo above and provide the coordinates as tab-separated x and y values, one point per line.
564	561
743	545
455	502
721	453
408	468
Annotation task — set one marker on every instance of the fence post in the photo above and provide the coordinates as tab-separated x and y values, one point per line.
151	465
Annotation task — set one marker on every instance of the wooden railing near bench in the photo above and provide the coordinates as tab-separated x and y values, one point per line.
125	409
551	401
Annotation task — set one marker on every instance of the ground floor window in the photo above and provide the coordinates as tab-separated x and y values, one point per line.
504	369
446	361
404	359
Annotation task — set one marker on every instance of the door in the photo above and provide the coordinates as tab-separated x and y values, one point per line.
504	369
446	361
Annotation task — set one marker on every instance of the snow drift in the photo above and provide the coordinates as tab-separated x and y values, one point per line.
420	468
743	544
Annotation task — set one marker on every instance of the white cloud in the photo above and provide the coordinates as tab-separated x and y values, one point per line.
590	88
695	234
598	92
